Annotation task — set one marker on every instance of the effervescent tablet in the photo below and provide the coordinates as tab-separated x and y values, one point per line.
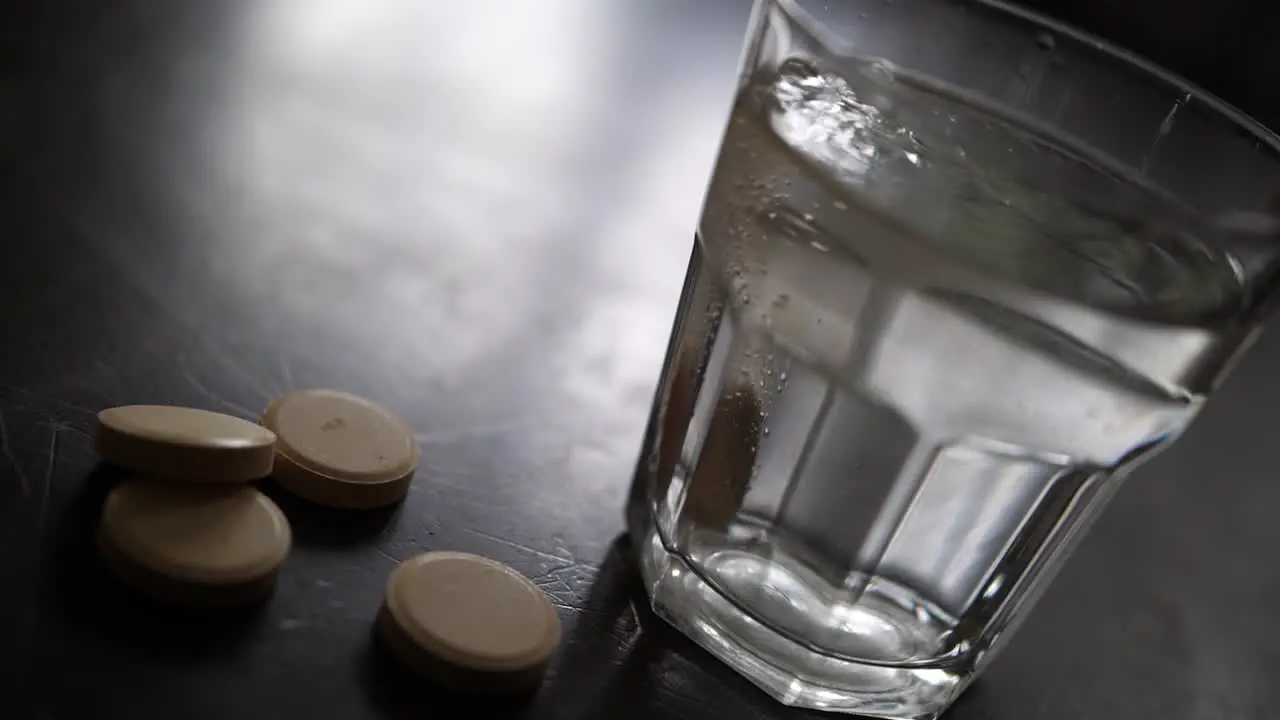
195	544
468	622
180	443
341	450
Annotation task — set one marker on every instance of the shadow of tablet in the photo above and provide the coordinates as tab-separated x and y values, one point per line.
84	593
397	693
316	525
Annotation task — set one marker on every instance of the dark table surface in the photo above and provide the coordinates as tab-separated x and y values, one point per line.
478	214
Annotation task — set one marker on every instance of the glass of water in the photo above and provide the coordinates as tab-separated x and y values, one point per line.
959	271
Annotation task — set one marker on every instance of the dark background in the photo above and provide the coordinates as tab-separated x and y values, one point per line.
1227	46
478	214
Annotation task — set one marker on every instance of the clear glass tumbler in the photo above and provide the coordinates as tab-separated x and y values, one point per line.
960	269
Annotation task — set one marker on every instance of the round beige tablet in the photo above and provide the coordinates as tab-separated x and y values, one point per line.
200	544
185	443
469	622
341	450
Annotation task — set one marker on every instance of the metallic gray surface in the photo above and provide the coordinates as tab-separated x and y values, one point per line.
478	214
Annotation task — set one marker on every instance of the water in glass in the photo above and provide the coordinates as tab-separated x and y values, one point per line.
920	340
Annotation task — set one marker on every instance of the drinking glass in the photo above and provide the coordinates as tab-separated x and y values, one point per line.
960	270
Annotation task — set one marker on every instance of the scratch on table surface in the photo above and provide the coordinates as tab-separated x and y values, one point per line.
204	390
630	626
66	405
386	554
39	400
87	434
445	436
108	373
286	373
574	609
7	450
51	462
234	367
523	548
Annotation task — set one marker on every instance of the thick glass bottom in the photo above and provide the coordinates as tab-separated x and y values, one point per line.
790	671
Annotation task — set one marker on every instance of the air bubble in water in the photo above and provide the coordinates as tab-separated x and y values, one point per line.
882	70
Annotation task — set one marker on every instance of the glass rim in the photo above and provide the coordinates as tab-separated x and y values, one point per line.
1231	113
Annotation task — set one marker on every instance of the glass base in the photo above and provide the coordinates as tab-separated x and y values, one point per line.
792	673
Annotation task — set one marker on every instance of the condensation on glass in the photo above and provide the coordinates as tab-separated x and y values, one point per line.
959	271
